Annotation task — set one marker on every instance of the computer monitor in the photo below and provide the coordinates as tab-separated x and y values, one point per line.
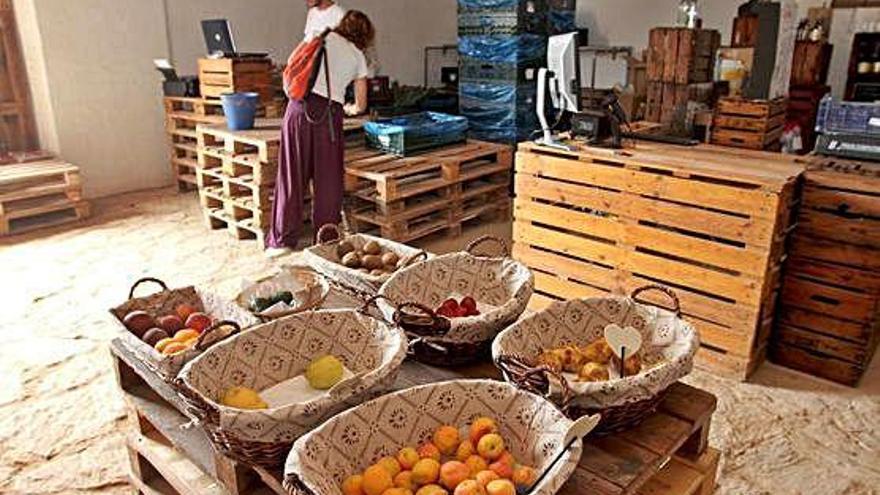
561	80
218	37
564	62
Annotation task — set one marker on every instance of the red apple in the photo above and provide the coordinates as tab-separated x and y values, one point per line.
198	322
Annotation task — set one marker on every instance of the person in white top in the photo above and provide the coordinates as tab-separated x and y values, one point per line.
323	15
312	139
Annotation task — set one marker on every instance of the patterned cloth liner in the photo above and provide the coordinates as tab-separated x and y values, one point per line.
500	282
349	442
666	337
166	302
322	257
274	352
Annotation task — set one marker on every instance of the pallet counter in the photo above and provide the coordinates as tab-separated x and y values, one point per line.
668	454
709	222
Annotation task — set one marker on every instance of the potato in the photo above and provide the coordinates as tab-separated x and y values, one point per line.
372	262
343	248
352	260
373	247
390	259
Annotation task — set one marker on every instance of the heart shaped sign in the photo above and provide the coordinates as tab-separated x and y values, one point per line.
619	338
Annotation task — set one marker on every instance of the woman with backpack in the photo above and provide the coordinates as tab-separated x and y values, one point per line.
312	139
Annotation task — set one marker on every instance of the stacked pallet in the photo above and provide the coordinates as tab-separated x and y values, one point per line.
39	194
409	198
182	116
829	323
750	124
236	176
681	63
708	222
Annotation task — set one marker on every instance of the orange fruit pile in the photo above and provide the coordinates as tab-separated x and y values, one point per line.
478	464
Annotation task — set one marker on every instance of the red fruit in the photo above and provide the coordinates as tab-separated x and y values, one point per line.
198	322
461	311
475	312
470	303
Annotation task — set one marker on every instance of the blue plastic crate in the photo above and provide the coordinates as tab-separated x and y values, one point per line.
848	117
509	49
561	21
529	16
474	70
411	133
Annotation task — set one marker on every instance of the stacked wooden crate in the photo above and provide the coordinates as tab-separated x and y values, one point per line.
750	124
235	75
829	323
236	176
182	116
408	198
39	194
681	64
708	222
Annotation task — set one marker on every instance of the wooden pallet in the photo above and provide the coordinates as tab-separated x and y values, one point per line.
182	116
829	323
39	194
409	198
18	129
709	222
750	124
682	56
228	75
667	454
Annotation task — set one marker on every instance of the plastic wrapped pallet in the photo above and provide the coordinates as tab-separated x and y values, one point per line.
503	48
499	112
505	17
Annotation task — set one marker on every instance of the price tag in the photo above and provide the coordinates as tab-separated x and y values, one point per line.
619	338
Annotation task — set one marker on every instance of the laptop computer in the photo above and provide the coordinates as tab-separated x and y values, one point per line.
218	40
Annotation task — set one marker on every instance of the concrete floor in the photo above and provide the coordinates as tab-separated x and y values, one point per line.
61	417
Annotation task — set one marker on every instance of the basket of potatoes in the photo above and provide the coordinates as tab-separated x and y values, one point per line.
358	261
167	329
615	356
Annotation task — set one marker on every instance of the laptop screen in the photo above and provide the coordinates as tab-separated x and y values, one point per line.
218	37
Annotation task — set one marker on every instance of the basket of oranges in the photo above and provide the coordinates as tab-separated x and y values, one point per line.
452	306
473	437
169	328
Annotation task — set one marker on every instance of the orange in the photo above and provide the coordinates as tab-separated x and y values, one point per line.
408	457
429	450
476	464
376	480
453	473
484	477
465	449
491	446
404	480
353	485
160	346
432	490
426	471
173	348
397	491
186	334
524	476
470	487
390	464
446	439
501	487
482	426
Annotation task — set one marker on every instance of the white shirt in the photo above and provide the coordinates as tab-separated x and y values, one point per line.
320	20
347	63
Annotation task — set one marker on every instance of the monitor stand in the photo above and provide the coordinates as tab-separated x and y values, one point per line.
540	107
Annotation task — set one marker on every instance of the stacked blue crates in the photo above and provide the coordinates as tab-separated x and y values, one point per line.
502	44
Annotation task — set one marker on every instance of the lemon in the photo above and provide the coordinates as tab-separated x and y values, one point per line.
324	372
243	398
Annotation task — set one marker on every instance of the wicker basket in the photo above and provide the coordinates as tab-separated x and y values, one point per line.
310	289
165	302
322	257
621	402
279	350
346	444
500	282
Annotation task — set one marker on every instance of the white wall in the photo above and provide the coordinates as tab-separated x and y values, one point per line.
90	69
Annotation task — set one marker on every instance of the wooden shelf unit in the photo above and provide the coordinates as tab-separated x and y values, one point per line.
709	222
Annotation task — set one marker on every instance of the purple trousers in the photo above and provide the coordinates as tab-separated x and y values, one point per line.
308	153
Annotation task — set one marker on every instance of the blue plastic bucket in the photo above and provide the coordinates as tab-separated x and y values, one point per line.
240	110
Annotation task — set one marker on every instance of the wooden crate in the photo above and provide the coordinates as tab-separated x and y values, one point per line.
409	198
681	55
803	108
751	124
668	102
708	222
810	63
667	454
39	194
829	323
231	75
